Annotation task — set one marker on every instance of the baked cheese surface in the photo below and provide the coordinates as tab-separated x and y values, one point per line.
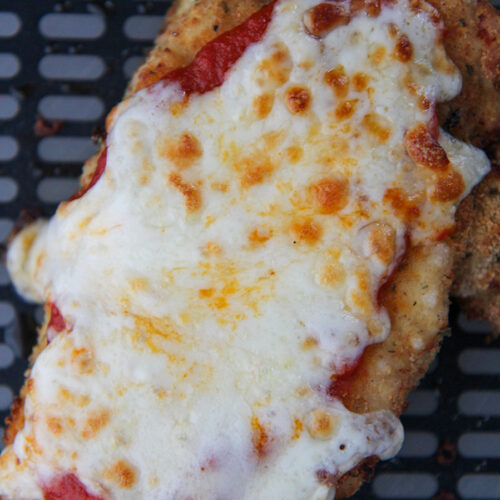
226	265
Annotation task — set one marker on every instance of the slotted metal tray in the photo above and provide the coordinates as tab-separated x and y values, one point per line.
70	61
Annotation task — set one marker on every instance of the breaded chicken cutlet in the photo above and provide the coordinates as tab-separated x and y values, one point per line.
414	293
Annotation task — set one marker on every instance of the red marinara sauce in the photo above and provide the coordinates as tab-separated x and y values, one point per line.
341	383
99	170
67	487
56	318
215	59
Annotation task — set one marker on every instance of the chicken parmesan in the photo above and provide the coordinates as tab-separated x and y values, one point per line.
239	251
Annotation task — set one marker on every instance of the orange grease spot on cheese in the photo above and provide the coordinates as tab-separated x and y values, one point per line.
83	360
189	191
260	438
94	423
332	274
274	71
346	109
211	248
255	171
182	151
298	427
259	236
262	105
382	240
306	231
206	293
122	474
378	126
405	205
378	55
54	424
294	153
309	343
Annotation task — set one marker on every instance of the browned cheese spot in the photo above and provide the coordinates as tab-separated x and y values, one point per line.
94	423
178	107
324	17
424	150
378	126
274	71
260	438
330	194
449	186
422	101
378	55
82	360
259	236
190	192
345	109
321	425
370	7
183	150
421	6
122	474
404	50
297	99
404	205
337	79
360	81
255	171
306	231
360	298
54	425
262	105
382	240
393	30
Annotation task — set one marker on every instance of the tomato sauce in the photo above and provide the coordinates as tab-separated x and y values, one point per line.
214	60
99	170
341	383
56	318
67	487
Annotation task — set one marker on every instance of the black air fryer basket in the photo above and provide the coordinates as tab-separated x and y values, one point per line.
63	65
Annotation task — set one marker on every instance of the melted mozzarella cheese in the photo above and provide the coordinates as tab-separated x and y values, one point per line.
227	264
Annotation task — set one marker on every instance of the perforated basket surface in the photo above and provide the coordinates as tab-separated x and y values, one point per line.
70	61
